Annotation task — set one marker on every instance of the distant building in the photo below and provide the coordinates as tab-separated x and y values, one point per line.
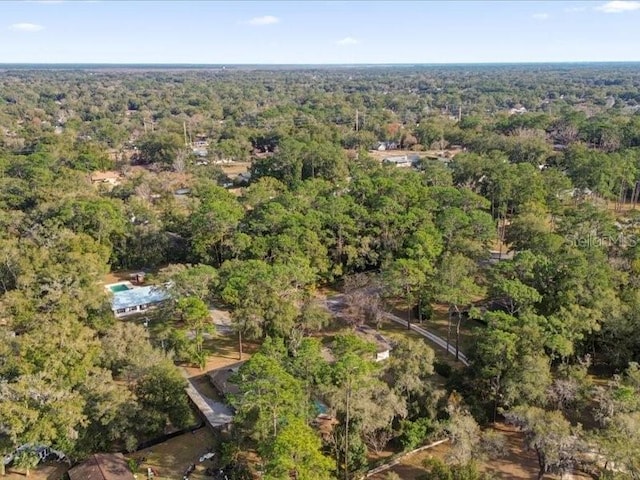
200	151
109	177
402	161
201	141
128	299
519	109
383	146
102	466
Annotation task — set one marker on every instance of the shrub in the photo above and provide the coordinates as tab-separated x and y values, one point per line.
442	368
415	433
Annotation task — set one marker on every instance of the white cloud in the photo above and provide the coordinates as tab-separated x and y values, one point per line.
619	6
575	9
266	20
348	41
26	27
540	16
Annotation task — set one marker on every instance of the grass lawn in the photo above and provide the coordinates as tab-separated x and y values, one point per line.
438	325
171	459
223	351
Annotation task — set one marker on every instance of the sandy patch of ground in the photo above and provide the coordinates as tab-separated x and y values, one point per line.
380	155
518	464
47	471
235	169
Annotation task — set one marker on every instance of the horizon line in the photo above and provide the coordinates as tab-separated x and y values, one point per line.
350	64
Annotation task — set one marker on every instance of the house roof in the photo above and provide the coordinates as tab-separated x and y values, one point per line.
138	296
102	466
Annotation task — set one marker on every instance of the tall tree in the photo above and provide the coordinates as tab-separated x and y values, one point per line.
406	279
197	320
557	444
296	452
269	398
457	287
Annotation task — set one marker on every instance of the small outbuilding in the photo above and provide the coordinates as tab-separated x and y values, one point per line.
109	178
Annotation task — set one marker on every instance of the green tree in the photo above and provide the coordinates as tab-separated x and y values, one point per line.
265	298
162	391
213	223
550	435
127	352
26	459
49	414
197	320
160	148
199	281
457	287
15	418
111	411
410	366
618	443
269	398
438	470
406	279
296	452
360	398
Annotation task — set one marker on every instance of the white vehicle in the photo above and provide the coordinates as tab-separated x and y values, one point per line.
206	456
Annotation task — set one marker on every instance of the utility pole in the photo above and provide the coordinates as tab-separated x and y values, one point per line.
184	127
357	120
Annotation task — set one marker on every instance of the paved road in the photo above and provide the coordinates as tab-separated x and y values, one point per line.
336	303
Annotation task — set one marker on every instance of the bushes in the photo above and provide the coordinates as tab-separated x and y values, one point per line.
415	433
438	470
443	369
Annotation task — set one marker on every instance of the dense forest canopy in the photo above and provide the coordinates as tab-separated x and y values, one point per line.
519	211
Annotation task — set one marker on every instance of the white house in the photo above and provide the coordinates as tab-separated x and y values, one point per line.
128	299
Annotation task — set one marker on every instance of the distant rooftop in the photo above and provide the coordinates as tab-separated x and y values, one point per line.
138	296
401	159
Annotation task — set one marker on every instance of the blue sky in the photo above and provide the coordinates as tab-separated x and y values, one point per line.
220	32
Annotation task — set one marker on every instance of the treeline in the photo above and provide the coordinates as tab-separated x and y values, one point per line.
244	112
